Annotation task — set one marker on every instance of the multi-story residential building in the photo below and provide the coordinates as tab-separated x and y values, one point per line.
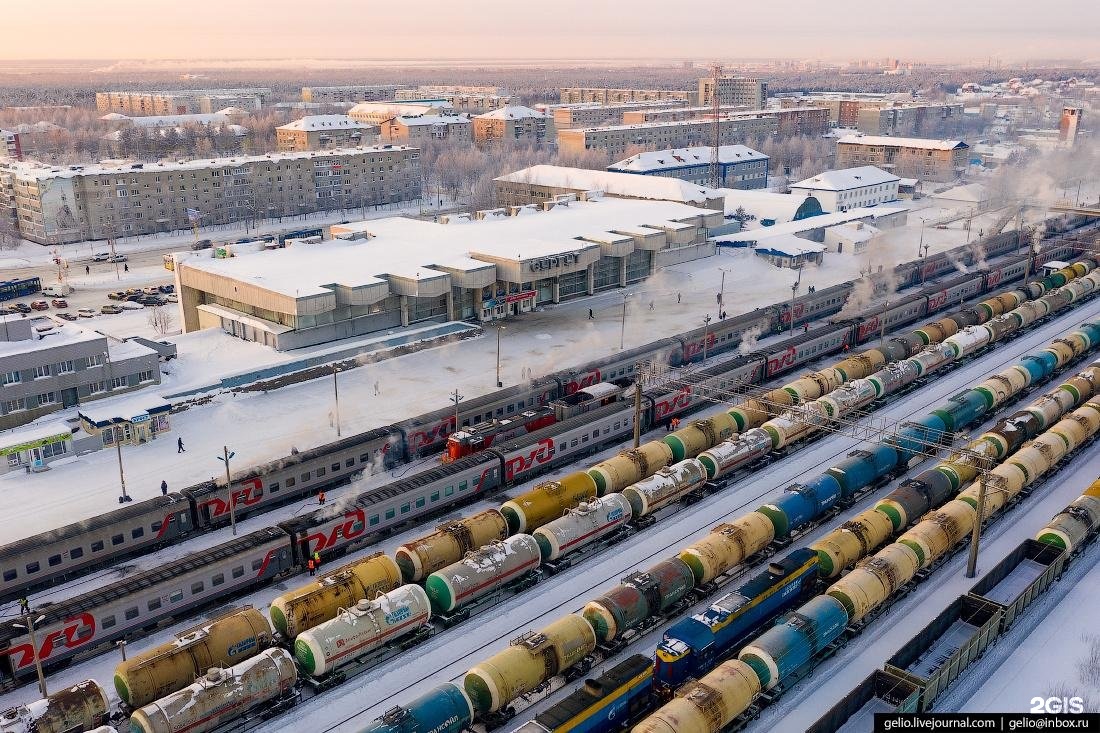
734	91
904	120
427	128
921	158
622	140
376	113
590	114
74	203
790	120
180	101
850	188
1069	124
472	100
738	166
45	367
675	114
324	132
11	145
510	124
349	93
603	95
385	273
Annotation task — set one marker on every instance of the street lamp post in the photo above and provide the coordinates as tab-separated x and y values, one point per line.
336	397
622	330
706	336
794	292
116	433
224	457
456	398
500	327
28	624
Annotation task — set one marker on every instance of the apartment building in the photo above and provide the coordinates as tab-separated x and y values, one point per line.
622	140
1069	124
45	367
375	113
904	120
472	100
427	128
10	144
324	132
512	124
349	93
567	116
739	167
674	114
70	204
603	95
734	91
181	101
921	158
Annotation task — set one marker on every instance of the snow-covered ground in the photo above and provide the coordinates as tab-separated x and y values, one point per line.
262	426
451	653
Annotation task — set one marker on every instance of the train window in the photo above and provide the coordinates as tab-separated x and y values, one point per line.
306	476
449	491
511	409
9	575
76	552
595	433
137	532
391	513
584	438
218	579
363	458
404	508
273	487
117	539
488	416
154	604
374	520
196	588
463	486
97	546
320	472
155	526
131	613
500	411
54	560
334	467
435	496
33	567
573	443
349	463
420	502
107	622
238	571
290	481
519	405
257	564
607	431
617	425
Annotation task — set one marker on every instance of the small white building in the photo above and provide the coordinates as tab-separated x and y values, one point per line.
852	238
969	196
32	447
849	188
787	250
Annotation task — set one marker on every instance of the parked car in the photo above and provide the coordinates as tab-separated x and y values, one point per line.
86	312
151	290
40	305
117	258
169	288
59	303
152	300
202	244
110	309
101	257
21	307
134	297
117	295
130	305
57	290
67	316
172	298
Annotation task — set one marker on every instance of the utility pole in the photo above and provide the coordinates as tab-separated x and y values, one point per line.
794	292
116	434
30	622
976	535
639	380
622	331
722	294
882	325
224	457
336	395
500	327
706	336
111	243
456	398
121	644
715	108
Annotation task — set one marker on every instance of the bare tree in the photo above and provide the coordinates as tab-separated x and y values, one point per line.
9	233
161	320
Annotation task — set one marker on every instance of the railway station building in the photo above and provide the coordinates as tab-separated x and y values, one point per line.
393	272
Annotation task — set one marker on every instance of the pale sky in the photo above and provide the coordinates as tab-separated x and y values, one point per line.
562	29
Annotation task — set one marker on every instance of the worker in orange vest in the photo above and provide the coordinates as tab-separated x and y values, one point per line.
675	423
312	568
321	498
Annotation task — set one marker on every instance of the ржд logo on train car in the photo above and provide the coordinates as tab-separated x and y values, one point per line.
246	494
353	524
782	361
994	277
695	348
935	302
799	311
584	380
428	436
542	452
671	403
77	631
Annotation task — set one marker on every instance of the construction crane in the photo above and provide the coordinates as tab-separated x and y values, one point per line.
715	106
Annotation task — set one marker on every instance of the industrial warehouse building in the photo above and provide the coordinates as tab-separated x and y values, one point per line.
392	272
738	166
540	183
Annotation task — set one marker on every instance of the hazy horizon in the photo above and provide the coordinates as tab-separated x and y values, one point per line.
494	30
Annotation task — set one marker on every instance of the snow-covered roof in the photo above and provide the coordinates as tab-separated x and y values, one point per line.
32	434
421	120
43	126
856	232
974	193
396	108
780	207
847	179
409	248
42	171
134	407
612	183
58	335
902	142
680	157
177	120
512	112
232	111
325	122
822	221
789	245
